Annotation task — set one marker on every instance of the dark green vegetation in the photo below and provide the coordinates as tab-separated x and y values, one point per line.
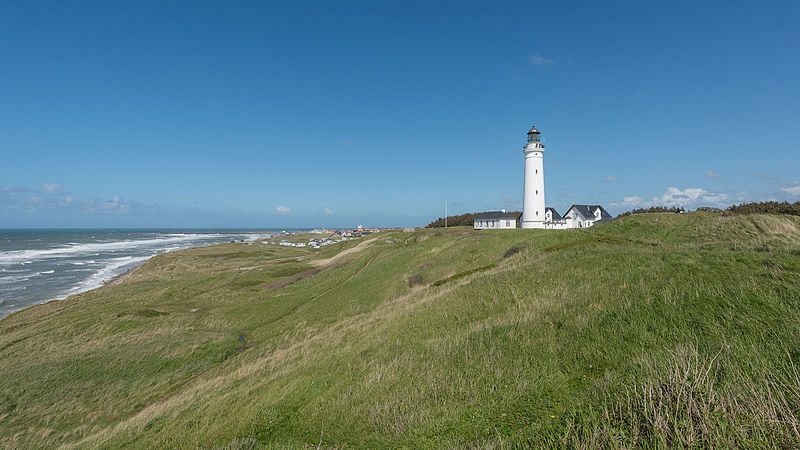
767	208
461	220
792	209
652	209
652	330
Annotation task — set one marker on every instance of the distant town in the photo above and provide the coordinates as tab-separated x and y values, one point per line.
327	236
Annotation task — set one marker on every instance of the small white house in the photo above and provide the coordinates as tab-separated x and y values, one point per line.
496	220
553	220
584	216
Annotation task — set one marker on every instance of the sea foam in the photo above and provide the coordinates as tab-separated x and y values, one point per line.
28	256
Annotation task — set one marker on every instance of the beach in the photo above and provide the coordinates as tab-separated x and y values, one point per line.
37	266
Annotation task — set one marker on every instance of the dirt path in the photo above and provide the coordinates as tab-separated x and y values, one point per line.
345	281
349	251
299	276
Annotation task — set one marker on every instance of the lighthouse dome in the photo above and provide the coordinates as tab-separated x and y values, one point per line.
534	138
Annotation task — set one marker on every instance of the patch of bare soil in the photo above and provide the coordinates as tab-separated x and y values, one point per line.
349	251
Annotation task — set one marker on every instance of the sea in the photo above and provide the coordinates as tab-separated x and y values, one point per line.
37	266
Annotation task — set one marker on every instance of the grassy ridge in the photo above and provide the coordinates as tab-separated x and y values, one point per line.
650	330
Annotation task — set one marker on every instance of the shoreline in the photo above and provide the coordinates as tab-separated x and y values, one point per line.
119	278
129	269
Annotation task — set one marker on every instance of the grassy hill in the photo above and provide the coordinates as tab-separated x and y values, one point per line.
658	329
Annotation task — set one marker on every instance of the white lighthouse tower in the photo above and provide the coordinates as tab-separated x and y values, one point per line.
533	194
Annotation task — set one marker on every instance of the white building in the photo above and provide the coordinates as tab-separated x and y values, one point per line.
534	212
533	193
577	216
496	220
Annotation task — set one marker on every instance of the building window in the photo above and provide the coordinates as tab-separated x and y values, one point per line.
537	213
537	170
537	192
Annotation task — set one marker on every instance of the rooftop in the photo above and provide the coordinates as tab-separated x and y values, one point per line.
502	215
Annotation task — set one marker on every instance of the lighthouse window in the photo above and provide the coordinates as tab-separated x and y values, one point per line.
537	192
537	170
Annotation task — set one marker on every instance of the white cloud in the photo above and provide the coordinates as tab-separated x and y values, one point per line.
14	189
327	212
794	190
540	61
113	205
689	197
610	179
282	210
632	200
51	188
710	174
52	198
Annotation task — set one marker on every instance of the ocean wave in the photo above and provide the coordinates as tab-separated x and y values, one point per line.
82	263
46	271
14	279
28	256
113	267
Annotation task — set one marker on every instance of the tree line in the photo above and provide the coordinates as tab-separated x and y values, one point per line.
652	209
771	207
461	220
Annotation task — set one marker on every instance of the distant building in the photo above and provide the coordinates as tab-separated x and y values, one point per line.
496	220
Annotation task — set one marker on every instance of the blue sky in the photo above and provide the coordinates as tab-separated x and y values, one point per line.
290	114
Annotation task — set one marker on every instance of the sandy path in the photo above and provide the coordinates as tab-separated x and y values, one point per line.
349	251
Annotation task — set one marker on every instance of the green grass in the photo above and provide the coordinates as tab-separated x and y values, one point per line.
651	331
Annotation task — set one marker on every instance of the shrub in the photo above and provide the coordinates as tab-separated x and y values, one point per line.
652	209
463	274
414	280
787	208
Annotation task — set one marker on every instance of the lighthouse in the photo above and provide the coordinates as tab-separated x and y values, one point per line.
533	194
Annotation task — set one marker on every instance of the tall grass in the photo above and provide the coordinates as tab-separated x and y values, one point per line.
650	331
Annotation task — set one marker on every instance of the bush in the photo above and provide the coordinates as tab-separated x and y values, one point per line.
710	209
414	280
792	209
652	209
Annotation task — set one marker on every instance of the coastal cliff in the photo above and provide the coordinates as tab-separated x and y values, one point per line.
655	329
